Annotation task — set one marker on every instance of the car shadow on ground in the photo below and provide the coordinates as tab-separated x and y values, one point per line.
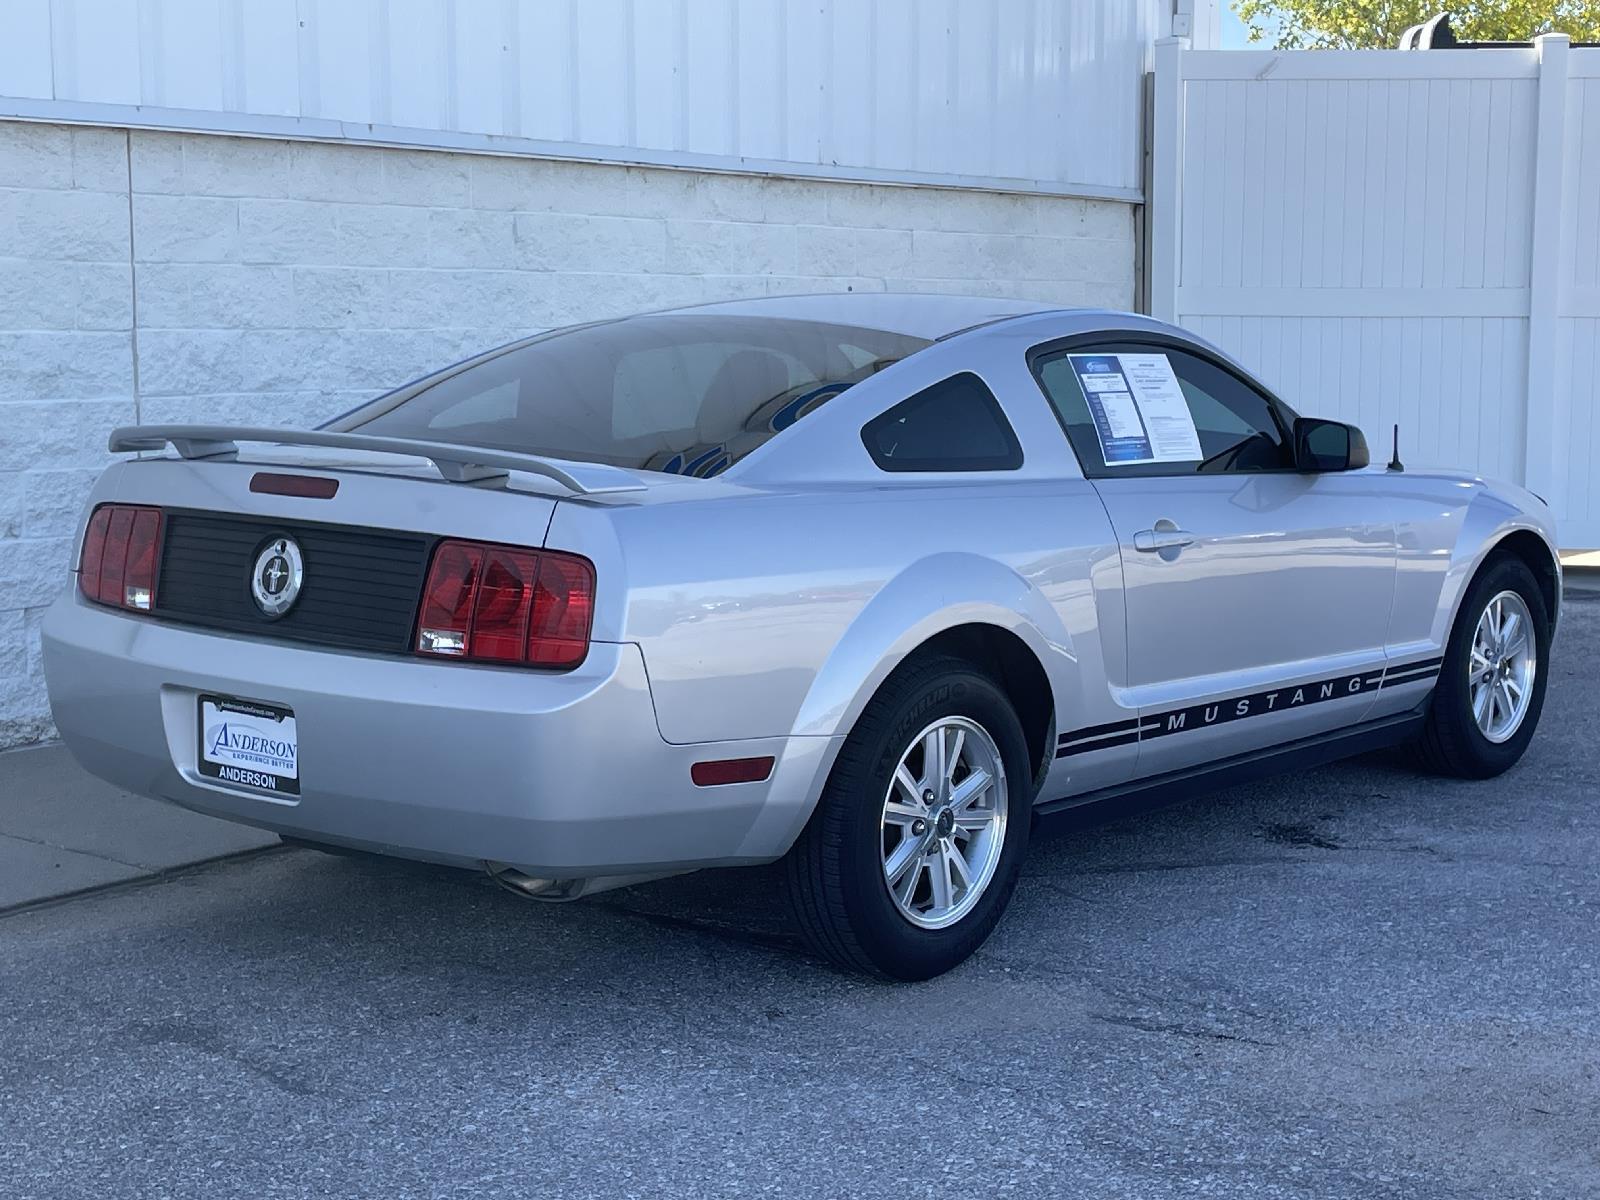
1378	804
1286	820
1378	810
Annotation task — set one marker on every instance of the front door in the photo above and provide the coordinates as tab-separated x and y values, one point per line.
1257	597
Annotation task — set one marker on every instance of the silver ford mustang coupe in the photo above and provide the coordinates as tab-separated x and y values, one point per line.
873	584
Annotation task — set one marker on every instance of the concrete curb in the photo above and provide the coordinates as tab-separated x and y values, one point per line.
164	875
65	833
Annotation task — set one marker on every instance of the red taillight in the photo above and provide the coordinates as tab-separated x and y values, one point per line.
563	609
505	598
119	562
507	605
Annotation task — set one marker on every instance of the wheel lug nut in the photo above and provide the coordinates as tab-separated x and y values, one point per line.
928	796
919	827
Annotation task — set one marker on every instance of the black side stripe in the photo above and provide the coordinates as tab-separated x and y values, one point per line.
1235	708
1425	668
1411	676
1100	743
1096	731
1100	736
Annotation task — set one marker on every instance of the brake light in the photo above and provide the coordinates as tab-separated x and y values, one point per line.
506	604
118	565
309	487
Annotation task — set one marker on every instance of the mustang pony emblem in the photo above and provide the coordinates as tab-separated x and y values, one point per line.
276	578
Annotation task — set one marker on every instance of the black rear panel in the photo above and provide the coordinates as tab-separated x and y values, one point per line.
360	592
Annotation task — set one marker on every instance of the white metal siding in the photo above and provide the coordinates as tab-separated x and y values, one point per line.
1366	230
1042	95
1579	339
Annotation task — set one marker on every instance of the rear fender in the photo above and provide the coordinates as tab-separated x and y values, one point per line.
936	593
930	596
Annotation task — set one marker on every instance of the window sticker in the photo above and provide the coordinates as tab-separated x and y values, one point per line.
1138	408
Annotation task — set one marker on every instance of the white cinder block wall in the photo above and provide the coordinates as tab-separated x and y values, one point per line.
166	277
66	373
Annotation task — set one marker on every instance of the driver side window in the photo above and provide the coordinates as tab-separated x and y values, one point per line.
1119	432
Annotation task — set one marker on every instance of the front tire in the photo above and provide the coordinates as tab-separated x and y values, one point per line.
916	844
1492	684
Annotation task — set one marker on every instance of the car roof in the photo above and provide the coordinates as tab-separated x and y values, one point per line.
913	314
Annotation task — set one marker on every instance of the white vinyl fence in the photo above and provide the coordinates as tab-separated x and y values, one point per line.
1397	237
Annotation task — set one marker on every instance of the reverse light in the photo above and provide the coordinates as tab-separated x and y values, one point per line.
506	604
118	564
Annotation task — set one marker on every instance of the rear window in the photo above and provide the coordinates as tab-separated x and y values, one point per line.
681	393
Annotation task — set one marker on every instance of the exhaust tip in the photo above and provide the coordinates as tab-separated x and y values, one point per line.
536	887
524	884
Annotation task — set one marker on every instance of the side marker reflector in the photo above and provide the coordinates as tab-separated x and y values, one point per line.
730	770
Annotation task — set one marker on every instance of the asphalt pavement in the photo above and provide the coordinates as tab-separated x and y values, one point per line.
1356	982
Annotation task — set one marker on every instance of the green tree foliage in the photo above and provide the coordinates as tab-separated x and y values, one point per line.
1366	24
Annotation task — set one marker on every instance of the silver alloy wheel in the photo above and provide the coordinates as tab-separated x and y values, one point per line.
1502	665
944	822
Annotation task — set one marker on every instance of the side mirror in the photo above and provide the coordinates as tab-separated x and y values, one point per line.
1328	446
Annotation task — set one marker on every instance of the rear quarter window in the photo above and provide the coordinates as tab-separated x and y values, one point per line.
955	425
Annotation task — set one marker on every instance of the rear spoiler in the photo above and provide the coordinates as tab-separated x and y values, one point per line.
459	464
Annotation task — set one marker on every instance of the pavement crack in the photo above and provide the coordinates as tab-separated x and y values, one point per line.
1202	865
1144	1025
717	929
205	1041
1049	884
1300	836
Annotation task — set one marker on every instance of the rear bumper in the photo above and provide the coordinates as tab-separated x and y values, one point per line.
559	775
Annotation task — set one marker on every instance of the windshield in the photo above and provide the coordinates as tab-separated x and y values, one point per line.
681	393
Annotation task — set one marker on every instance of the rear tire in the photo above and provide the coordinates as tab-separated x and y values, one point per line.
889	811
1486	705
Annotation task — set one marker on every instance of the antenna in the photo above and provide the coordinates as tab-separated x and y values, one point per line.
1394	463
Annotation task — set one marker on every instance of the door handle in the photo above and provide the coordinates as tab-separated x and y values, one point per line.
1153	540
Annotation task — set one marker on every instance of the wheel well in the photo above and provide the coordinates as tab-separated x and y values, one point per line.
1006	657
1532	550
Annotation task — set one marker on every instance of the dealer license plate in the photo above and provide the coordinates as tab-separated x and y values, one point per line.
248	744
